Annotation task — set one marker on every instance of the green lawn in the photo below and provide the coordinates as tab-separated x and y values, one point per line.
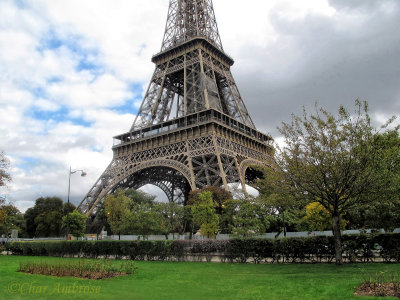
174	280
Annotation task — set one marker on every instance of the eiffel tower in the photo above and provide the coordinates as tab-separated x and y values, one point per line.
192	129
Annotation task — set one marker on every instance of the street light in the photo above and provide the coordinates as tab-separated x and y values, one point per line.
83	174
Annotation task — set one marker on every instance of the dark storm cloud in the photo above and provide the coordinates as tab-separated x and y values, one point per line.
329	59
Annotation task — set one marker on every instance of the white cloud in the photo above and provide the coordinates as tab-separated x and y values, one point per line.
127	33
84	90
46	105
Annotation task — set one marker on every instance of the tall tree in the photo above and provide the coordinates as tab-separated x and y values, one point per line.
384	213
318	218
219	197
48	224
138	196
333	160
246	220
44	219
76	223
276	199
143	220
13	219
204	214
117	212
171	217
3	219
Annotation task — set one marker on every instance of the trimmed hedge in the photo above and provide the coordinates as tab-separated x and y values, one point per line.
356	248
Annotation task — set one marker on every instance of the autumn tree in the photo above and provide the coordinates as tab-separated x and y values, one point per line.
318	217
334	160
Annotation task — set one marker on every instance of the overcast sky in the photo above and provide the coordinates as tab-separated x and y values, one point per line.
73	72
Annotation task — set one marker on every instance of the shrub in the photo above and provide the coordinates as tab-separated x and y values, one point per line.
357	248
177	250
389	245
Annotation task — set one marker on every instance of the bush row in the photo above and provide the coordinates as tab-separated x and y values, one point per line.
356	248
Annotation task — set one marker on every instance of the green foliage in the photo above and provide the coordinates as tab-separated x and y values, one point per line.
319	218
135	212
357	248
76	222
170	280
139	197
335	160
98	223
3	217
44	219
390	243
171	217
117	211
382	207
226	218
11	218
281	210
48	224
204	214
68	208
246	222
219	196
143	220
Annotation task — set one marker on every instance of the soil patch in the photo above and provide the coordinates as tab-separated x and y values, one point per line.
81	268
77	274
388	289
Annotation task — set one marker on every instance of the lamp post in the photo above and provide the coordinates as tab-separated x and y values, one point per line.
83	174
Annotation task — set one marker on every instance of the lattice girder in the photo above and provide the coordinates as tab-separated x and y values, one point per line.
196	76
188	19
192	128
210	153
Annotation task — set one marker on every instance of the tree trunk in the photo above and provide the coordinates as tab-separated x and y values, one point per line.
284	225
338	239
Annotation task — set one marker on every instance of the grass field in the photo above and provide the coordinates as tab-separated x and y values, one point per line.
174	280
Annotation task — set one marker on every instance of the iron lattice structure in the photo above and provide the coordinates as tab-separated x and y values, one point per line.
193	128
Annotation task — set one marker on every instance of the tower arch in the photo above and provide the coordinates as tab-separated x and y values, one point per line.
193	126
